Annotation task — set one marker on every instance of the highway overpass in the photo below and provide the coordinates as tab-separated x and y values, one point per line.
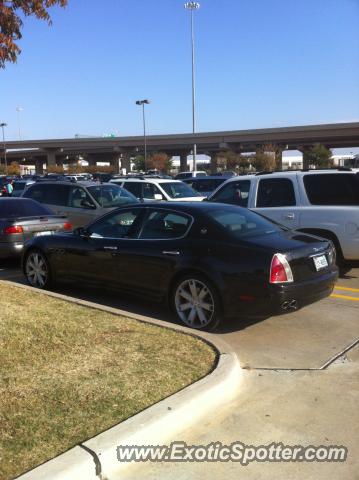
113	150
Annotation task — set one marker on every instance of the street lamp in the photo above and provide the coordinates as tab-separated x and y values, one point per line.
192	6
3	125
143	103
19	109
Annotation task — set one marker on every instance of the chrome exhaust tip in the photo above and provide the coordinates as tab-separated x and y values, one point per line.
289	305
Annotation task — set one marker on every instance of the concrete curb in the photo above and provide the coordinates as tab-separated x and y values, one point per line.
97	457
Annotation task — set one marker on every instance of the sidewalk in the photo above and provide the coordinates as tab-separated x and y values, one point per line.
292	407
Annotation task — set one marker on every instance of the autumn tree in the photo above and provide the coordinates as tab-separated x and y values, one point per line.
11	23
13	168
160	161
264	159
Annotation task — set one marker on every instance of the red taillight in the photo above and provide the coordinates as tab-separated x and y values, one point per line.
13	229
67	226
280	271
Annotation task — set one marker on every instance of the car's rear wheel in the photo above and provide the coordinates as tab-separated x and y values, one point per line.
37	269
196	302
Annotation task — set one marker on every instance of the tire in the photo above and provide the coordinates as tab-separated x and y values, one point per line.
37	269
196	302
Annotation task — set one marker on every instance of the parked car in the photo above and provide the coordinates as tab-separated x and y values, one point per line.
82	202
205	185
320	202
197	173
22	219
19	186
148	189
209	261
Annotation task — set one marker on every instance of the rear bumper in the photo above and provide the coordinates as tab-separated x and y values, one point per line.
276	299
11	250
303	293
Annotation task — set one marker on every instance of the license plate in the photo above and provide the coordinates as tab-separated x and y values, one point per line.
320	262
47	232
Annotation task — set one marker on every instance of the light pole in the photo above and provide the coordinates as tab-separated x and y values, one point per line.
192	6
3	125
19	109
143	103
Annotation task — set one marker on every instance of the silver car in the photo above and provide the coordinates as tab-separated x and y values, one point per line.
82	202
21	219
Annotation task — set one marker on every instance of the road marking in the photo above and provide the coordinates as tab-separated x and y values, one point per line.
345	297
346	288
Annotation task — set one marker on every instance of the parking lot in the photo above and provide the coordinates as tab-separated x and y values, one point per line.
305	339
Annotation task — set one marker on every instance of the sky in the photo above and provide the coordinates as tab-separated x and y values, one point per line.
259	64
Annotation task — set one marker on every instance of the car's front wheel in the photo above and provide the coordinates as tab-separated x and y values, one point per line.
37	269
196	302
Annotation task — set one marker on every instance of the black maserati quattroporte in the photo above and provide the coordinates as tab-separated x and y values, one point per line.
209	261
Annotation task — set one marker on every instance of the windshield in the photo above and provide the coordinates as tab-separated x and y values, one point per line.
178	190
240	222
109	196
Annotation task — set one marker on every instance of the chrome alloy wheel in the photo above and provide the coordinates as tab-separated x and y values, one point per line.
194	303
36	269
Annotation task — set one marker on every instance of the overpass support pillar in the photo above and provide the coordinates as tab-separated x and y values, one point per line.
213	162
126	162
39	166
115	163
51	158
183	162
91	161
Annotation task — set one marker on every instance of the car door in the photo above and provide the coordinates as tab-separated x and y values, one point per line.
151	259
94	254
277	199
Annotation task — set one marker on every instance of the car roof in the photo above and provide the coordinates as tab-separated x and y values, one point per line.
286	173
82	183
150	180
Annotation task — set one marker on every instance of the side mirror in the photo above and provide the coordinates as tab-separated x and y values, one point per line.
158	196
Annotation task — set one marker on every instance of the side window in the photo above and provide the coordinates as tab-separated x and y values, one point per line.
35	192
134	187
80	199
149	190
117	225
161	225
56	194
236	193
275	192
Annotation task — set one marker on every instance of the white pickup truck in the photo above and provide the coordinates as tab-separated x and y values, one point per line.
320	202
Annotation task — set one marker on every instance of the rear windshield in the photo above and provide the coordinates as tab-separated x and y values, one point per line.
11	208
242	223
109	196
332	188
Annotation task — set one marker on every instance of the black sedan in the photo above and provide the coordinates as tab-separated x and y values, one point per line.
209	261
22	219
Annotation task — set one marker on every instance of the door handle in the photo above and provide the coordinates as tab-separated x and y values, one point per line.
110	248
289	216
170	252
